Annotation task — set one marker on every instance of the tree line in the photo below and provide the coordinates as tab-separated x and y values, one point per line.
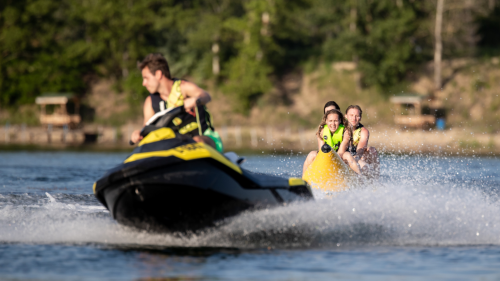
243	46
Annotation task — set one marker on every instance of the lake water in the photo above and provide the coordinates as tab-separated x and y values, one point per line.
427	217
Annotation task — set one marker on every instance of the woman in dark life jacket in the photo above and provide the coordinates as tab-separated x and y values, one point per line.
333	130
358	145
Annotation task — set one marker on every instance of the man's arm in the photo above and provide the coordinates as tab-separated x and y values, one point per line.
148	112
192	93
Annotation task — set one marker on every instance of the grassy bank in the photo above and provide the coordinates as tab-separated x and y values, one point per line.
469	97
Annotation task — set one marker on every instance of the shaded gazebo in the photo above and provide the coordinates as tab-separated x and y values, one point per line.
408	112
60	115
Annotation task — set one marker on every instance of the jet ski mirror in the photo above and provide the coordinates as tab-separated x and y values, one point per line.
161	119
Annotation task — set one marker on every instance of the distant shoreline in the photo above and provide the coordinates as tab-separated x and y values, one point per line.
255	140
96	148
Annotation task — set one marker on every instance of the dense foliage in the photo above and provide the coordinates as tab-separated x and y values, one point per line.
61	46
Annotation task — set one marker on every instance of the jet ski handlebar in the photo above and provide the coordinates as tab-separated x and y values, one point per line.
161	119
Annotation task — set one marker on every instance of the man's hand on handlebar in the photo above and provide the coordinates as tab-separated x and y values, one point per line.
136	136
191	103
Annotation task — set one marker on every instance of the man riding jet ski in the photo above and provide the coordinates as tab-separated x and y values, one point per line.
170	182
167	92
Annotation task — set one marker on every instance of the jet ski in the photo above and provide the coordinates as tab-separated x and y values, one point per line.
172	183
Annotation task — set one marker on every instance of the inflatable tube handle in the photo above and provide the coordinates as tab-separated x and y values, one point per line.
326	148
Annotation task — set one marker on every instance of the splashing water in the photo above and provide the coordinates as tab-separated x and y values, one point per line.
425	201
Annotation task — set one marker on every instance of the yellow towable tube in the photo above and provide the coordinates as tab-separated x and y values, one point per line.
329	173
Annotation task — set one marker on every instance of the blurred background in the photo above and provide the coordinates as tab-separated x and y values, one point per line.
420	69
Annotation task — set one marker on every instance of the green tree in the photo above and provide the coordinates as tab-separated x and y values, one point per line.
32	55
245	46
380	35
248	72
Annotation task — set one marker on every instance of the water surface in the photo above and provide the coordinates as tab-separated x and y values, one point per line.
428	217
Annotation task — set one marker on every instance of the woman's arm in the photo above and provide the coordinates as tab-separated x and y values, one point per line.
363	142
320	140
345	143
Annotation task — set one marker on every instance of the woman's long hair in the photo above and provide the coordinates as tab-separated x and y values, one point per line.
343	121
351	126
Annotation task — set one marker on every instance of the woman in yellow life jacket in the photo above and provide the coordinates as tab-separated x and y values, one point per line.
312	155
358	146
332	131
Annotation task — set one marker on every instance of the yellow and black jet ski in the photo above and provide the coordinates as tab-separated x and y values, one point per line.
171	183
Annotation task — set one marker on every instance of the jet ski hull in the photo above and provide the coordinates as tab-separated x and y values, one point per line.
187	188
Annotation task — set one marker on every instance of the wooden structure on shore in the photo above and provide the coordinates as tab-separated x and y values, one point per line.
60	116
409	114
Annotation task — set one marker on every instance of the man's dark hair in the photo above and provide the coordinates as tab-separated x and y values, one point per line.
331	103
155	61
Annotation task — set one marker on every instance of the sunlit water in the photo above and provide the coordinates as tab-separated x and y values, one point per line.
427	217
